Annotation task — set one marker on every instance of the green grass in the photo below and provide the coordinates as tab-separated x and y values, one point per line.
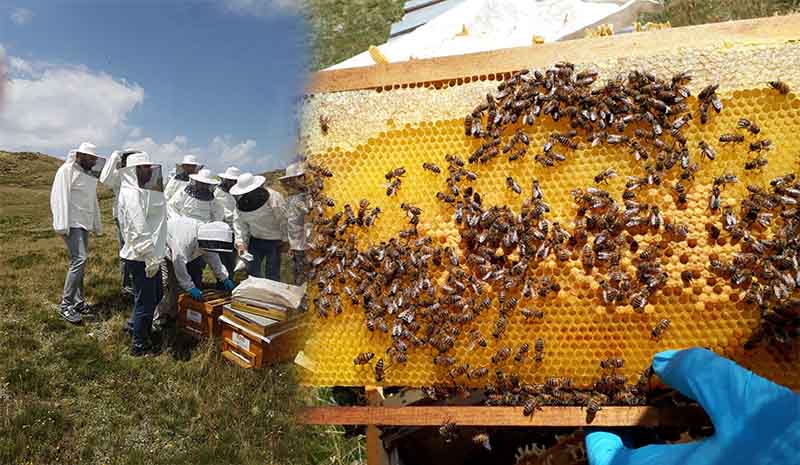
72	394
692	12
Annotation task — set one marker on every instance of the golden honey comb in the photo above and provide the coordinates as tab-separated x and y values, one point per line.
578	329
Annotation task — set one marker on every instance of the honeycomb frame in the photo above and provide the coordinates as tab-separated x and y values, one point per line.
407	127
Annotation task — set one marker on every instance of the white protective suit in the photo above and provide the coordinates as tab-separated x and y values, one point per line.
297	207
228	204
174	186
110	177
267	222
183	204
73	199
142	217
182	248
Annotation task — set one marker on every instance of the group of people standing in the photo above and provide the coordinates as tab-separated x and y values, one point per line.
168	233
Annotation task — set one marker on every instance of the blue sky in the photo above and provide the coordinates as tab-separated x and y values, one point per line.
215	78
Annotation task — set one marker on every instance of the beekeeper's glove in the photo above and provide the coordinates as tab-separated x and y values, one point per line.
152	266
196	294
228	284
755	420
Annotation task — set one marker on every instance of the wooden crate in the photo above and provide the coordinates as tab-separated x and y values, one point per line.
250	350
200	319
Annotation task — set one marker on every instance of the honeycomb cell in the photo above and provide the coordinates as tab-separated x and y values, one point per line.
578	329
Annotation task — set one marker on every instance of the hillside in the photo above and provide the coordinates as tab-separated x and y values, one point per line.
73	394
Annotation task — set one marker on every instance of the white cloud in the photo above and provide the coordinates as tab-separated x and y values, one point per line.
220	153
262	7
50	108
3	78
21	16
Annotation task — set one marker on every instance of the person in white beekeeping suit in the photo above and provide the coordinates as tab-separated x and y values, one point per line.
143	219
298	205
197	201
183	170
222	194
110	177
187	239
259	225
76	213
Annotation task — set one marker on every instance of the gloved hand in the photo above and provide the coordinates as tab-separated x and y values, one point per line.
229	284
196	294
151	267
755	420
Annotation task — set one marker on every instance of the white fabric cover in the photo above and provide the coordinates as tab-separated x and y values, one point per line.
271	292
267	222
183	204
142	217
298	206
182	248
73	199
215	231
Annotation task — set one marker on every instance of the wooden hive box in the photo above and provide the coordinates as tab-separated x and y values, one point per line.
248	349
200	319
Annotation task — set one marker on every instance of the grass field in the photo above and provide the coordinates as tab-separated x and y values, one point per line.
72	394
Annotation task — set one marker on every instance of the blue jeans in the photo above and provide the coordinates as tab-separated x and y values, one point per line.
77	242
269	250
146	295
195	269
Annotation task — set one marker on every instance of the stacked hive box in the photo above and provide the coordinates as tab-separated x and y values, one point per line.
409	127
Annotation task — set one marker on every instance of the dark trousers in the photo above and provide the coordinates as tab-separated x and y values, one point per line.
228	260
269	250
299	262
127	281
146	295
195	269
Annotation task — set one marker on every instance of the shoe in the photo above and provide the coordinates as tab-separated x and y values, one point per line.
87	309
70	315
127	291
141	350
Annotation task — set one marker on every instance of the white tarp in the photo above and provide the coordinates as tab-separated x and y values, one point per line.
492	25
265	292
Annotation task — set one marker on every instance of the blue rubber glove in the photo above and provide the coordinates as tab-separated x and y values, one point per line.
229	284
755	420
196	294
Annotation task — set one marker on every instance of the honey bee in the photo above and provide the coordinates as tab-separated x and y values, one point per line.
731	138
612	363
500	326
324	124
659	328
592	407
530	406
639	299
532	314
447	198
707	150
482	439
538	348
756	163
605	175
680	122
449	431
522	351
780	86
379	370
501	355
372	216
687	276
478	373
714	199
391	189
458	370
759	145
443	360
396	173
363	358
587	256
513	185
408	208
454	160
431	167
749	125
468	125
655	217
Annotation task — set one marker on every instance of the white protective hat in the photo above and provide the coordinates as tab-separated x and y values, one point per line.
294	170
231	173
216	236
247	183
205	177
88	148
190	160
138	159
